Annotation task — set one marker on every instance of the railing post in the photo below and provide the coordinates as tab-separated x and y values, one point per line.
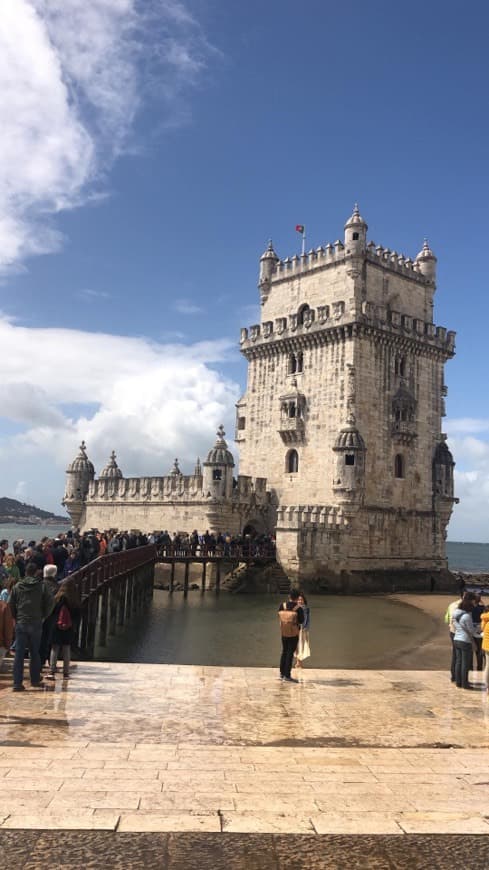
172	577
218	577
204	571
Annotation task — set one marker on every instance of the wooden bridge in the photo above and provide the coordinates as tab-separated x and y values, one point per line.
115	587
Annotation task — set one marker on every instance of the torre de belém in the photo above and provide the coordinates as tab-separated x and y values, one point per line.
342	453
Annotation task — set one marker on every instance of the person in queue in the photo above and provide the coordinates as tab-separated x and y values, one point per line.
31	603
66	616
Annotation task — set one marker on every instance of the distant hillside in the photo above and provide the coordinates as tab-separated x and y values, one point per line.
13	511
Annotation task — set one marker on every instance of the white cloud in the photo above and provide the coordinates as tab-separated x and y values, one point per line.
19	490
88	295
73	75
185	306
470	520
467	424
152	402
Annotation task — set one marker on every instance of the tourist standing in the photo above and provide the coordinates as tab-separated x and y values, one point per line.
452	607
291	617
11	567
49	573
485	645
30	603
66	617
462	639
477	611
303	650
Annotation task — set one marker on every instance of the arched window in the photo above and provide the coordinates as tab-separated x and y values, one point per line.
355	237
292	462
399	466
300	314
400	366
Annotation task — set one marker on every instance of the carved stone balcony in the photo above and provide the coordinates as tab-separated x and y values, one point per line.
404	431
292	430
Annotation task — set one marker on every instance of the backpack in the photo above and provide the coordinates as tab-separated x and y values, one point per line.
64	619
289	626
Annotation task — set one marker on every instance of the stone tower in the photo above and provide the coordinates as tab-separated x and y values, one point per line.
79	474
343	410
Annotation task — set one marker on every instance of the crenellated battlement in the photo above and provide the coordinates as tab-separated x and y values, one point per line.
167	488
329	254
310	516
170	488
327	317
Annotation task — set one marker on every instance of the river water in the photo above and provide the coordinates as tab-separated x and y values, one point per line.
242	630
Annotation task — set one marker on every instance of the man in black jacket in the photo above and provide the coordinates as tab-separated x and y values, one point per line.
30	603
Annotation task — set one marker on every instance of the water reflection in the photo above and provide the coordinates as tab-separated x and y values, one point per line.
346	632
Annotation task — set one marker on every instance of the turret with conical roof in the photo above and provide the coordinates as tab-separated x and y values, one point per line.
356	233
426	262
111	470
268	263
79	474
218	468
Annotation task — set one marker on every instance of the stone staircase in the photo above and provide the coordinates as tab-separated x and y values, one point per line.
263	578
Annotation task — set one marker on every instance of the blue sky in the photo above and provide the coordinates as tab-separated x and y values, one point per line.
153	148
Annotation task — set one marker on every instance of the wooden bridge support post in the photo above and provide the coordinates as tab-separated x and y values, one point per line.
204	571
129	596
172	578
113	602
92	612
218	577
84	625
151	583
185	581
122	601
104	608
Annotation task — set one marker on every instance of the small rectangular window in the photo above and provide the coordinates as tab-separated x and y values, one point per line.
349	459
217	474
241	422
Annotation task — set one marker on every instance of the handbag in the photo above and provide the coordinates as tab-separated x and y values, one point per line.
64	619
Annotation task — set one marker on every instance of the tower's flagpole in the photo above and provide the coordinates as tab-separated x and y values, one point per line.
300	228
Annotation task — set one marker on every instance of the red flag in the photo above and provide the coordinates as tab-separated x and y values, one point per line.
300	228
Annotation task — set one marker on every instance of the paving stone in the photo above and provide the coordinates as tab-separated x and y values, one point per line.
169	822
226	751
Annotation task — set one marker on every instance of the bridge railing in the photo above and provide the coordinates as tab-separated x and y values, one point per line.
103	569
241	552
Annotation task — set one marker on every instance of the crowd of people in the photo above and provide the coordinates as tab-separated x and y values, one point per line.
210	544
468	624
39	609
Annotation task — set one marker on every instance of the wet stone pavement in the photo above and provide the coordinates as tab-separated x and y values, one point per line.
172	758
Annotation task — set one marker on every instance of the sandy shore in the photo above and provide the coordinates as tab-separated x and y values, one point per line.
433	653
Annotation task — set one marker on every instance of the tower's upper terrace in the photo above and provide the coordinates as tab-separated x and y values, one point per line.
347	270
